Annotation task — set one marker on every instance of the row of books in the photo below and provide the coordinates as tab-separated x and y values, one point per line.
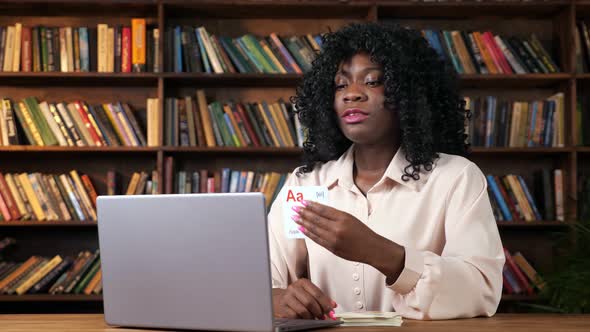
102	48
56	275
76	124
194	49
47	197
191	122
140	183
519	276
225	180
475	52
512	199
497	122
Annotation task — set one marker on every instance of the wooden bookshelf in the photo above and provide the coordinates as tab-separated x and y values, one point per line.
554	20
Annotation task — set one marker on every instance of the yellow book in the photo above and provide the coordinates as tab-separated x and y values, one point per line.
70	48
275	140
111	50
18	30
9	48
138	47
118	130
31	124
205	118
232	119
33	200
277	113
133	184
272	56
521	197
153	138
37	276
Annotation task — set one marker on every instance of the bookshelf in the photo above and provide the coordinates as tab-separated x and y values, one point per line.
554	21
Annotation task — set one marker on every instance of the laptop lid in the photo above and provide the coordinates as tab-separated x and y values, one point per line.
192	261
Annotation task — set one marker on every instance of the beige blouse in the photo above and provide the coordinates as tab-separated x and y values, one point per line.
454	257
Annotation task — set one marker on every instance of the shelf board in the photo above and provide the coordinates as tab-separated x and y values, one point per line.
237	80
468	10
51	298
532	225
288	151
519	298
79	78
284	9
536	150
77	149
30	223
513	81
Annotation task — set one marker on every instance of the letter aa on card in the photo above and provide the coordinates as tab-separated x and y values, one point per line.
292	196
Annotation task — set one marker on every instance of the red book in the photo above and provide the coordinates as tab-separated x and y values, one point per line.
204	178
499	55
522	280
88	124
126	50
239	114
507	199
168	175
4	210
26	49
89	189
8	198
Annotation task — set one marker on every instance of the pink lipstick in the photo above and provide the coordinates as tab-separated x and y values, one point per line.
354	115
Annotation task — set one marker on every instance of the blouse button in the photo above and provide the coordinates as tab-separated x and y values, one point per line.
359	305
355	276
357	291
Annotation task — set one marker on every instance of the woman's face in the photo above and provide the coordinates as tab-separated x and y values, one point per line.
359	102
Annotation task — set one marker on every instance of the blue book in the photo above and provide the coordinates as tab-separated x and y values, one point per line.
100	126
225	178
234	182
435	43
491	118
227	46
204	55
178	49
243	180
498	195
550	124
532	125
318	39
84	51
529	197
232	132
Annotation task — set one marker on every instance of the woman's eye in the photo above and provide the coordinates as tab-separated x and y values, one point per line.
340	86
373	83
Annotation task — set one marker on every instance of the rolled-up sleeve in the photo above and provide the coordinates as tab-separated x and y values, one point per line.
465	280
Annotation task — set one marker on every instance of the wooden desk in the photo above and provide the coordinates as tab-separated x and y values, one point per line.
499	323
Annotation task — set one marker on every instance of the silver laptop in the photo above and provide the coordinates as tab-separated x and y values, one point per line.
194	261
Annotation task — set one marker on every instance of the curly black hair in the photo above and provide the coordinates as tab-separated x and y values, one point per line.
419	85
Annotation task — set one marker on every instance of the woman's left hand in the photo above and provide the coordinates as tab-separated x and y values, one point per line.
339	232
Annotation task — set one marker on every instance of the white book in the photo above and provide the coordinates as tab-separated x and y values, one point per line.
63	51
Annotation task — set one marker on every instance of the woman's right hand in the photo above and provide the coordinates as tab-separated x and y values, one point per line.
302	299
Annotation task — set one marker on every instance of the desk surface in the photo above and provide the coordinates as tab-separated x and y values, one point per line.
500	322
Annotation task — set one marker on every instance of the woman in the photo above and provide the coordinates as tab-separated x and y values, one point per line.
409	227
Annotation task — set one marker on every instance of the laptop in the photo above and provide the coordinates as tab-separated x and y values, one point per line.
190	261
